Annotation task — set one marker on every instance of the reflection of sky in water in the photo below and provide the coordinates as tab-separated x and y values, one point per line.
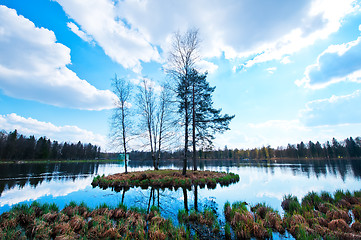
258	183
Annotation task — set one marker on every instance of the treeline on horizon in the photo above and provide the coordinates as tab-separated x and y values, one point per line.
15	146
348	148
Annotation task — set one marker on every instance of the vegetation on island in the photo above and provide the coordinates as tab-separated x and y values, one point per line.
317	216
149	115
165	179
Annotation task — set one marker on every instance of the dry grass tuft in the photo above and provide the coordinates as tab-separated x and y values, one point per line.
338	214
339	225
356	226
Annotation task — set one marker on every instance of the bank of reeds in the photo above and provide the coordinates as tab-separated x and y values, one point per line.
316	216
43	221
165	179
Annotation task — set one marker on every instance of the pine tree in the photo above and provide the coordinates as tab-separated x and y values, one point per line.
206	120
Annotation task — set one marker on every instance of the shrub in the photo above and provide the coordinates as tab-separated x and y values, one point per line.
290	204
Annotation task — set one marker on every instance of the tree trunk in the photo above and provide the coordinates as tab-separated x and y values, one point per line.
194	130
185	139
185	196
124	142
196	198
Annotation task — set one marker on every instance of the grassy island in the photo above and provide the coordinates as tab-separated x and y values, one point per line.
165	179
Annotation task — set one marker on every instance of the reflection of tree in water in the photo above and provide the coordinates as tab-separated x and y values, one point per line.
12	175
169	202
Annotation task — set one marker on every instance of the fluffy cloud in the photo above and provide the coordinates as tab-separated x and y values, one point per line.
119	40
75	29
337	63
265	30
33	66
206	66
334	110
30	126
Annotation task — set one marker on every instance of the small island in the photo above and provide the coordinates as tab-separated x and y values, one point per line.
165	179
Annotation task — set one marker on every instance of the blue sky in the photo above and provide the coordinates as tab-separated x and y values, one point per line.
289	70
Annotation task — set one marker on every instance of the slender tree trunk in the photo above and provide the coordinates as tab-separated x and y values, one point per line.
123	195
151	145
124	142
194	130
185	196
196	198
150	198
158	155
158	198
185	139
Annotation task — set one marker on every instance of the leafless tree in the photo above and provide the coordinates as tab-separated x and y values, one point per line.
156	117
121	122
182	59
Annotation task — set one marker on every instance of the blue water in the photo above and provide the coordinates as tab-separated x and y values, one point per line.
260	181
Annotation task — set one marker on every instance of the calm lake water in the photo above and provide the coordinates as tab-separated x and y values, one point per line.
260	181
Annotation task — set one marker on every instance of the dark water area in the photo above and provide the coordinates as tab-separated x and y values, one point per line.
260	181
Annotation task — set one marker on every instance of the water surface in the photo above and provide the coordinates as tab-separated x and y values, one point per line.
260	181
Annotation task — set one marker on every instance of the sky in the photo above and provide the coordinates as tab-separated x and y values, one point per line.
289	71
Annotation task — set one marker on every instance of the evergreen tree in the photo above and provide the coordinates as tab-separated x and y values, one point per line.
206	120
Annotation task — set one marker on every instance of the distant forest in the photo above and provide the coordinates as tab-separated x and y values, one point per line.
349	148
14	146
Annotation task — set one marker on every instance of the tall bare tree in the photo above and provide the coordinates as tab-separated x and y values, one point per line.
182	59
121	124
146	106
155	117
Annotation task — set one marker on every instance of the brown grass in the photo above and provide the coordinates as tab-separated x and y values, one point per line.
339	225
356	226
338	214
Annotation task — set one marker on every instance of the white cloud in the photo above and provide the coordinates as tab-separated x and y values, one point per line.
337	63
33	66
122	43
75	29
271	70
30	126
334	110
128	30
286	60
206	66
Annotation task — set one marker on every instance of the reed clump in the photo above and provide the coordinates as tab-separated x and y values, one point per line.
317	216
75	221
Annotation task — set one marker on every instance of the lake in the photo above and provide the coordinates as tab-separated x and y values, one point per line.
260	181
